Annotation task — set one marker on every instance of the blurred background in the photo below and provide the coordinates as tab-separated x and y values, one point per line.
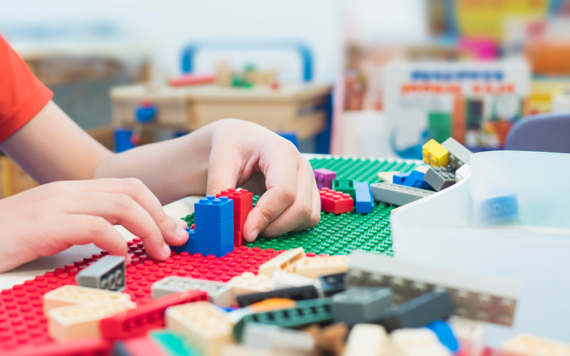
375	78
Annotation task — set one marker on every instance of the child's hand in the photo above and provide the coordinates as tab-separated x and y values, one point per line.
245	152
50	218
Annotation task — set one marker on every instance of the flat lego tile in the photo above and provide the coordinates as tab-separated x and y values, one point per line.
76	295
324	177
282	279
249	283
202	324
143	346
499	209
215	230
335	202
410	342
282	261
214	209
313	267
213	247
307	312
397	194
458	150
81	321
107	273
364	202
295	293
462	172
367	340
435	154
416	180
476	296
356	305
528	345
346	186
332	283
82	347
440	178
219	293
274	339
173	344
147	317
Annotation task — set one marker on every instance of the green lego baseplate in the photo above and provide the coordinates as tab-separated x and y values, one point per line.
343	233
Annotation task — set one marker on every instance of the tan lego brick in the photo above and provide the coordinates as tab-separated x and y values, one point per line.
367	340
81	321
202	324
387	176
249	283
528	345
240	350
75	295
282	261
313	267
412	342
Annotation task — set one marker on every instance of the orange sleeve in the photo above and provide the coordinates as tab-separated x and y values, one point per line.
22	95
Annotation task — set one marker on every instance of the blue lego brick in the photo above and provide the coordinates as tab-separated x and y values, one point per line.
188	245
400	178
364	202
416	180
213	247
214	209
499	208
444	334
214	231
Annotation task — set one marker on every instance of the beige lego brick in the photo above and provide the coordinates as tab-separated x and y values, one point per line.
282	261
240	350
412	342
528	345
422	169
249	283
74	295
367	340
282	279
202	324
313	267
81	321
387	176
470	334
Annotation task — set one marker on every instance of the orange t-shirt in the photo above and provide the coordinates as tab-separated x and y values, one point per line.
22	95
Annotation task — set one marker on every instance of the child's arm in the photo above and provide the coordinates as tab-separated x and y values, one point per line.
225	154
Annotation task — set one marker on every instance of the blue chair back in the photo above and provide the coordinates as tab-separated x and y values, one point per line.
546	133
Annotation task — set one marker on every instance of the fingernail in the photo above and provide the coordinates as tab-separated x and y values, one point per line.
254	234
166	249
181	233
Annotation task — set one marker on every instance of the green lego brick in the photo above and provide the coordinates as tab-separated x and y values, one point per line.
346	186
173	344
342	234
307	312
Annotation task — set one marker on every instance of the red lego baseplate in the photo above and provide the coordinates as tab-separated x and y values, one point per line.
22	320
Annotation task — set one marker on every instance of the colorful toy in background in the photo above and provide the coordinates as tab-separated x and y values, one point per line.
250	77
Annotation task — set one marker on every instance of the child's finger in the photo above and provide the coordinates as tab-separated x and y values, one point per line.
224	170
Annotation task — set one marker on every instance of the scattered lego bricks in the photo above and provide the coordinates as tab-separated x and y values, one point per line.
367	340
275	339
440	178
313	267
68	295
528	345
324	178
417	341
364	201
458	154
219	293
243	204
107	273
416	180
329	340
335	202
333	283
397	194
435	154
282	262
345	186
295	293
356	305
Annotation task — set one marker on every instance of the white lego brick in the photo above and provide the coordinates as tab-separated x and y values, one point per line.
462	172
527	345
204	325
249	283
74	295
106	273
241	350
282	280
282	261
413	342
276	339
367	340
219	293
81	321
458	150
397	194
313	267
470	334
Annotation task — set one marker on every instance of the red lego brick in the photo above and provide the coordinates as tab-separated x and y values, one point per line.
83	347
243	204
335	202
238	238
142	346
138	321
192	226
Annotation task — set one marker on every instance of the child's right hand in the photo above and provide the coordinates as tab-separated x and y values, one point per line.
50	218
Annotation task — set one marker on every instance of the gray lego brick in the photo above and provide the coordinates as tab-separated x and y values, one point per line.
107	273
219	293
356	305
440	178
458	150
397	194
479	297
417	312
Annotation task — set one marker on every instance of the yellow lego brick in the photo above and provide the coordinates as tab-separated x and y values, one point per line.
411	342
367	340
81	321
75	295
435	154
202	324
249	283
282	261
313	267
528	345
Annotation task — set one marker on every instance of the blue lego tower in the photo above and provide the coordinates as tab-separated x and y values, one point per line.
214	226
